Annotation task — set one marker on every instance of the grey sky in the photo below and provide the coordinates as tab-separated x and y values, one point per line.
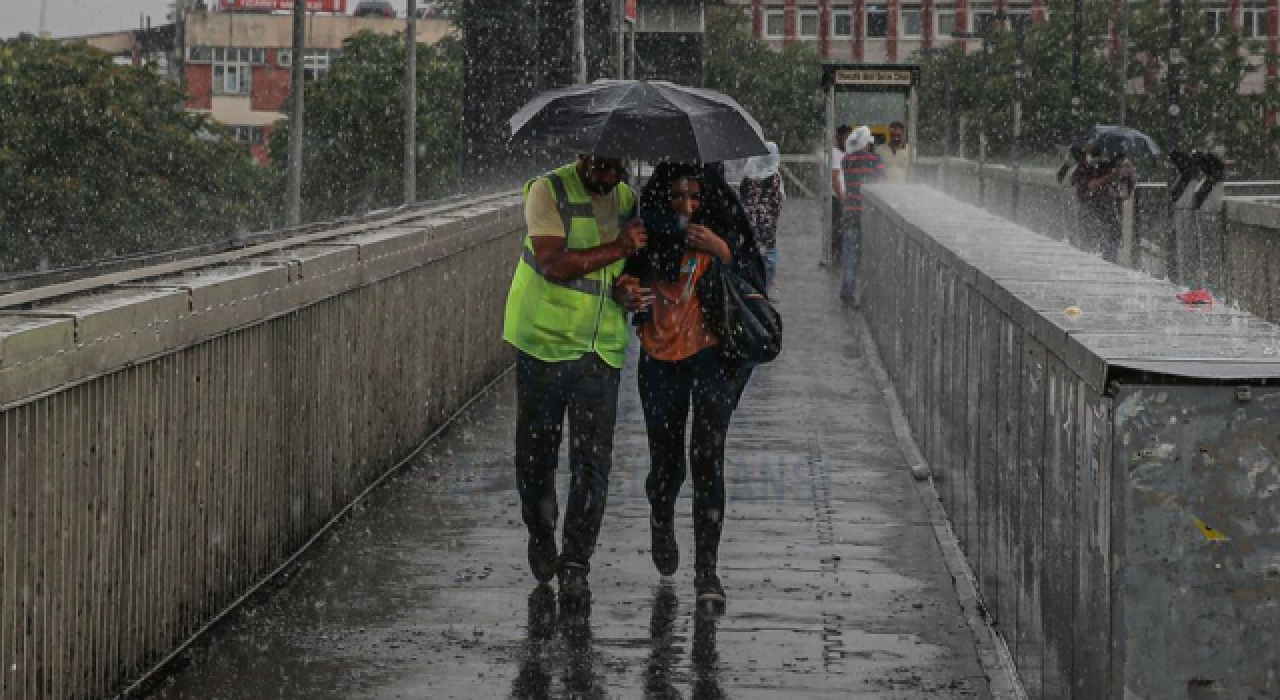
76	17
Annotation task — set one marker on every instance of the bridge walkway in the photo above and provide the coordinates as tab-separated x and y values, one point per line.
837	584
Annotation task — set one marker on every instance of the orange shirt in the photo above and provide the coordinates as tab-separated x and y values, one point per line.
677	329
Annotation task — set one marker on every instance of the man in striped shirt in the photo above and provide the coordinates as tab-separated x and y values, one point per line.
861	166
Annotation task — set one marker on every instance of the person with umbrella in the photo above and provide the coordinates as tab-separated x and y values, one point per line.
561	313
1104	178
695	223
566	317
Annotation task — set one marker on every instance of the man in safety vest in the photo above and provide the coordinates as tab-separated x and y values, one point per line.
566	315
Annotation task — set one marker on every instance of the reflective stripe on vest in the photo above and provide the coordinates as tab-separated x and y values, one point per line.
568	210
581	284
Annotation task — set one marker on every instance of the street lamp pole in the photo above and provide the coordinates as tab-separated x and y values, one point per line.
1019	35
1077	48
1174	74
983	115
411	104
1123	71
293	205
579	42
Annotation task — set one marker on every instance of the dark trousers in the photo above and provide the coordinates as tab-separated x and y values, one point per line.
837	230
587	389
1101	227
667	391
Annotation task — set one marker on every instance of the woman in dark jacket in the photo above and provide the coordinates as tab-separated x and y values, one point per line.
695	223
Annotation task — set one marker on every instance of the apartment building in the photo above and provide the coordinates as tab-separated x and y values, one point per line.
238	64
892	31
235	57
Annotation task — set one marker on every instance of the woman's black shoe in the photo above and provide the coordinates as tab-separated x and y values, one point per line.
665	550
710	592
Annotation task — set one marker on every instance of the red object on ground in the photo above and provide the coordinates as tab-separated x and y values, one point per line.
1196	296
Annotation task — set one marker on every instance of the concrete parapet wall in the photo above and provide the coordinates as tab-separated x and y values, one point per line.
1111	475
168	439
1226	246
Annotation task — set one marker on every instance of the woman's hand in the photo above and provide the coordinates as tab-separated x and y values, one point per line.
701	238
631	294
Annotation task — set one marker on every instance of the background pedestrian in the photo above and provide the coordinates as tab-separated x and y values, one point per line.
836	163
861	166
897	156
762	194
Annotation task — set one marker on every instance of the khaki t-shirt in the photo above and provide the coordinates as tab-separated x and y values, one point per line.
896	165
543	216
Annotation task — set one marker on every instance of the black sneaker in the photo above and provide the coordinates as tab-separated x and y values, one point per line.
543	559
710	592
665	550
573	585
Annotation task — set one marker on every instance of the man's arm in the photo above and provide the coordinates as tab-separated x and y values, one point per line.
560	263
550	240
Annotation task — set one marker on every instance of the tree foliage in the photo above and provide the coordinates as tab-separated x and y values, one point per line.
782	90
99	160
1215	114
354	145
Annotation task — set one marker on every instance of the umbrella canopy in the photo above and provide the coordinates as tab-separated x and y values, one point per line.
653	121
1119	139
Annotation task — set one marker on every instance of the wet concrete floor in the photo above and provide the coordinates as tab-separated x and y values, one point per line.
836	583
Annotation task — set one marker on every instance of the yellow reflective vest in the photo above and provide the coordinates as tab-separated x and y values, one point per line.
561	320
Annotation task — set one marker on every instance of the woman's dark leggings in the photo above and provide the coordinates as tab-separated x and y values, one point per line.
667	389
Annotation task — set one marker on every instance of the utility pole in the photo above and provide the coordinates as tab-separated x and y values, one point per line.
177	66
1123	71
579	41
1019	68
631	51
411	103
1077	48
1174	74
293	208
620	15
982	115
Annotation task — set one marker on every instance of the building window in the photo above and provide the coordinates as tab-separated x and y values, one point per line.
318	63
746	23
775	22
946	22
842	22
284	58
1219	20
248	135
199	54
877	21
1254	21
232	71
909	17
658	17
808	22
983	17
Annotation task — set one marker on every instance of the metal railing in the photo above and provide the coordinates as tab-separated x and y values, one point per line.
169	435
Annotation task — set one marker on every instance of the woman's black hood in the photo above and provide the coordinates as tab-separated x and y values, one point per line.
721	211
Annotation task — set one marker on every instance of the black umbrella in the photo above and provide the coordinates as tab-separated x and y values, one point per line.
1119	139
653	121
